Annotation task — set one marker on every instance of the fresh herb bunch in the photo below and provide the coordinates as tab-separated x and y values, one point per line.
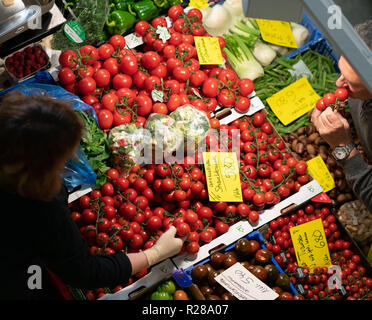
96	147
91	15
277	77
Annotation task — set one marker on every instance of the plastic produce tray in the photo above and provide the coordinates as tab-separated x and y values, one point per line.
255	235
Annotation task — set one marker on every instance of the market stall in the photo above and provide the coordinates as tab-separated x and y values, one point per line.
197	116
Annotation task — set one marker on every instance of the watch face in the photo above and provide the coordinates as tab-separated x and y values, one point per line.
340	153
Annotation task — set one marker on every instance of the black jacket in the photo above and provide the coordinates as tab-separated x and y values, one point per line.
43	234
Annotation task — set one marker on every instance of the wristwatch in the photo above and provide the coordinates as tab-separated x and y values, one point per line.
342	153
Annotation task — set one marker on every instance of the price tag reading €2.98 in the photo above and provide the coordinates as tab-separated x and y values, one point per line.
277	32
310	245
222	174
293	101
209	50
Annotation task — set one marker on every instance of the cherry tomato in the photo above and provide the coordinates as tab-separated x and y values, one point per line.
342	93
117	41
141	28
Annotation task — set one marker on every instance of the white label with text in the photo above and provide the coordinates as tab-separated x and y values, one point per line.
244	285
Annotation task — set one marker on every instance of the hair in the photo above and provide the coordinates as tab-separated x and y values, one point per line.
37	134
365	32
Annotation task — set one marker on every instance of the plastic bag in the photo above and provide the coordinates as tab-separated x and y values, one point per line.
130	144
166	136
356	219
77	172
193	123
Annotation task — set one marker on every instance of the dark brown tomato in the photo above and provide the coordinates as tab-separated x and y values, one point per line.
199	273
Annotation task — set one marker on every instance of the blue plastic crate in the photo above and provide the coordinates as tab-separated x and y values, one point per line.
255	235
321	46
315	35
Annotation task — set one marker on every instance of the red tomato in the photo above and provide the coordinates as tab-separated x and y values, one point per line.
112	66
129	65
210	87
117	41
328	99
141	28
246	87
89	54
86	86
68	58
342	93
226	98
150	60
242	105
105	51
102	77
175	11
181	74
66	76
144	105
105	119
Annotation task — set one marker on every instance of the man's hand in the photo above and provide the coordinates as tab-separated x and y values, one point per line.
332	126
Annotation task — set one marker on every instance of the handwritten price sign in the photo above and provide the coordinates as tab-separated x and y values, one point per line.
244	285
222	173
209	50
310	245
293	101
277	32
318	169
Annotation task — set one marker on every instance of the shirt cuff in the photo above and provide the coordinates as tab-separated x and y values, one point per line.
355	164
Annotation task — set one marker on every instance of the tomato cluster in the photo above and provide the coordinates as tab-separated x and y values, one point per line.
120	84
336	100
268	171
315	285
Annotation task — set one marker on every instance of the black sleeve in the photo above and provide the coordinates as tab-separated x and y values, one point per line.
67	254
359	176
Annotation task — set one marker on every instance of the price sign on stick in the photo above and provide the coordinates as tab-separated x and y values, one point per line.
293	101
318	169
222	173
277	32
209	50
310	245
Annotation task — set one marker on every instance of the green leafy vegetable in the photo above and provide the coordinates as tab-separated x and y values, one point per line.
96	147
91	15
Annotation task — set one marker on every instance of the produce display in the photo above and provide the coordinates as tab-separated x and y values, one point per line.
278	76
253	256
356	275
160	96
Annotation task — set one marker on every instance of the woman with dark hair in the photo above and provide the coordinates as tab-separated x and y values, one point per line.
37	136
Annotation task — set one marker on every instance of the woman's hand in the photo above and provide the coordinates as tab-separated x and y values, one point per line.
167	246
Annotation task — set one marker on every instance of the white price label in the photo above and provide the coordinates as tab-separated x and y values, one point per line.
256	105
132	41
157	95
244	285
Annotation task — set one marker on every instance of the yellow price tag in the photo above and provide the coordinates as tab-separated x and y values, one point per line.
318	169
223	179
310	245
209	50
198	4
277	32
293	101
